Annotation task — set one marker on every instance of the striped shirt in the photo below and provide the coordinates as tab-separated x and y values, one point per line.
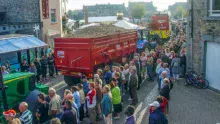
26	117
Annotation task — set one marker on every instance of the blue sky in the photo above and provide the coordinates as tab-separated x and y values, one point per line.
160	4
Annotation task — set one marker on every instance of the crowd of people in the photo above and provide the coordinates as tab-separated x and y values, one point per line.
102	98
40	67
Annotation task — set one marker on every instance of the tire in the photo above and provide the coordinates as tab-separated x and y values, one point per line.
69	80
203	83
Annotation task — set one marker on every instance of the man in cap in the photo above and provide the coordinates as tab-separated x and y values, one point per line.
156	116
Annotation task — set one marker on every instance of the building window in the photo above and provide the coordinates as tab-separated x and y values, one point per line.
53	15
214	8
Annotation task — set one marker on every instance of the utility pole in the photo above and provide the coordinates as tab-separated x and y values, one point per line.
3	89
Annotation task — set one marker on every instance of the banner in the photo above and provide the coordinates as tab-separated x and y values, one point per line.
45	9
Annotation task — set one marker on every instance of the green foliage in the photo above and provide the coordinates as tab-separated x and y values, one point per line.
75	14
138	11
180	12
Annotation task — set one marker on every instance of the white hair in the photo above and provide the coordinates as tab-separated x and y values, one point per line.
52	90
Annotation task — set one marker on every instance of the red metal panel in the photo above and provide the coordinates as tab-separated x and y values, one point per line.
82	54
161	21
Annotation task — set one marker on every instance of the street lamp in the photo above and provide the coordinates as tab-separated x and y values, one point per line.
3	89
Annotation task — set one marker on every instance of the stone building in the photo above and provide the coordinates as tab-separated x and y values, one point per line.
105	10
203	39
52	17
20	16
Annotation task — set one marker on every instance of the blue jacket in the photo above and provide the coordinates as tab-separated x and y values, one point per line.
77	98
130	120
108	76
106	105
86	87
157	117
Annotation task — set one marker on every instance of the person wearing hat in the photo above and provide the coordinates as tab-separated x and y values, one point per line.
130	115
132	85
10	117
156	116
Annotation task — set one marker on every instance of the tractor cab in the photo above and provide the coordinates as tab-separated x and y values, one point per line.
142	40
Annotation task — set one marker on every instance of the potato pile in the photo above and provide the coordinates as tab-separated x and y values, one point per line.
98	31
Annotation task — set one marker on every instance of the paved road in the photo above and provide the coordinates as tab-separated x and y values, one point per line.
188	105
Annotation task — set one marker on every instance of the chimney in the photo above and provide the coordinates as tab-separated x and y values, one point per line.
85	8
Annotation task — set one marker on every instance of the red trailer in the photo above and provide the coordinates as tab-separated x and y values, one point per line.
77	56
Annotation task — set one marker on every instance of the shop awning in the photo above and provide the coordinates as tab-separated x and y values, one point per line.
12	43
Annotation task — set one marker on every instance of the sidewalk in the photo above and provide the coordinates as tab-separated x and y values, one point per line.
189	105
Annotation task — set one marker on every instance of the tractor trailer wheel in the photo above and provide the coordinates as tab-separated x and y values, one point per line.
71	80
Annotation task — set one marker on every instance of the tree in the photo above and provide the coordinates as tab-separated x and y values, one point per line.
138	11
75	14
180	12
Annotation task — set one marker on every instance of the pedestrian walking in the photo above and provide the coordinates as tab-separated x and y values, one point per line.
150	67
50	61
132	85
10	117
69	114
106	105
175	64
91	103
138	70
43	63
98	89
126	74
100	73
70	97
26	116
38	67
156	117
86	90
143	65
108	75
116	98
163	104
96	77
183	63
42	110
33	69
76	96
129	111
165	91
55	105
82	102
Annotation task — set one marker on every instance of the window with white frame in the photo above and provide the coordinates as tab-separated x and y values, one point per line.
53	15
214	8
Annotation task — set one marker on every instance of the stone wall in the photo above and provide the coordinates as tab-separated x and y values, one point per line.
202	24
22	10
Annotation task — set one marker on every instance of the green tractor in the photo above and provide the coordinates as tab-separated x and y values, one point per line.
19	88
